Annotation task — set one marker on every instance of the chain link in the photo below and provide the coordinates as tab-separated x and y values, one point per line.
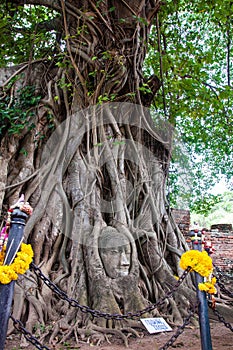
220	317
106	315
181	328
220	284
20	327
129	315
223	288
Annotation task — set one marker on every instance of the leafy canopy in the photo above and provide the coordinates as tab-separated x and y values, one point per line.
22	35
219	213
191	51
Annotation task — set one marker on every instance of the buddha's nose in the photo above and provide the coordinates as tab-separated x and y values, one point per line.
124	259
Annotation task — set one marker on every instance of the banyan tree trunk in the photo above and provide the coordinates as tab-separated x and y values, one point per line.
92	160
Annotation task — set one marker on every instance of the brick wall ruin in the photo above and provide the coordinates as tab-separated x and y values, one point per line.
222	242
182	219
221	237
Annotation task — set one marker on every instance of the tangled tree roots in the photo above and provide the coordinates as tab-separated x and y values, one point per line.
80	194
103	167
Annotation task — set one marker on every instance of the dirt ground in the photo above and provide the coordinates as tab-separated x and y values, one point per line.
222	338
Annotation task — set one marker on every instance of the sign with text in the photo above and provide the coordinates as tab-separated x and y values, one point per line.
156	325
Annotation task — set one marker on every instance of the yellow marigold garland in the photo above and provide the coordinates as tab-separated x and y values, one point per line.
20	264
200	262
208	286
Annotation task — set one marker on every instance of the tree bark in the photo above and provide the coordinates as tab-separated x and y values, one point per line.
104	165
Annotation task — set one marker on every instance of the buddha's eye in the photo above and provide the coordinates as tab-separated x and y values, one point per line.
114	252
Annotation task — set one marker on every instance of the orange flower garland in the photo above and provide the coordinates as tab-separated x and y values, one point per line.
20	264
200	262
208	286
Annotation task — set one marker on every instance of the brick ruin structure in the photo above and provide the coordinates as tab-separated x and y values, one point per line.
222	242
220	236
182	219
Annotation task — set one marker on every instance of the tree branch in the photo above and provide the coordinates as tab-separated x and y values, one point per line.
130	8
161	64
81	78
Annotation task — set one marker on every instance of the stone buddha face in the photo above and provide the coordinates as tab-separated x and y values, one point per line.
115	253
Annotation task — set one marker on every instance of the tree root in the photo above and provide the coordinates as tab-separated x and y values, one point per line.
94	334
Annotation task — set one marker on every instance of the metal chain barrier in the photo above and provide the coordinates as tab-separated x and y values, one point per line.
20	327
181	328
220	317
223	288
97	313
34	341
220	284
